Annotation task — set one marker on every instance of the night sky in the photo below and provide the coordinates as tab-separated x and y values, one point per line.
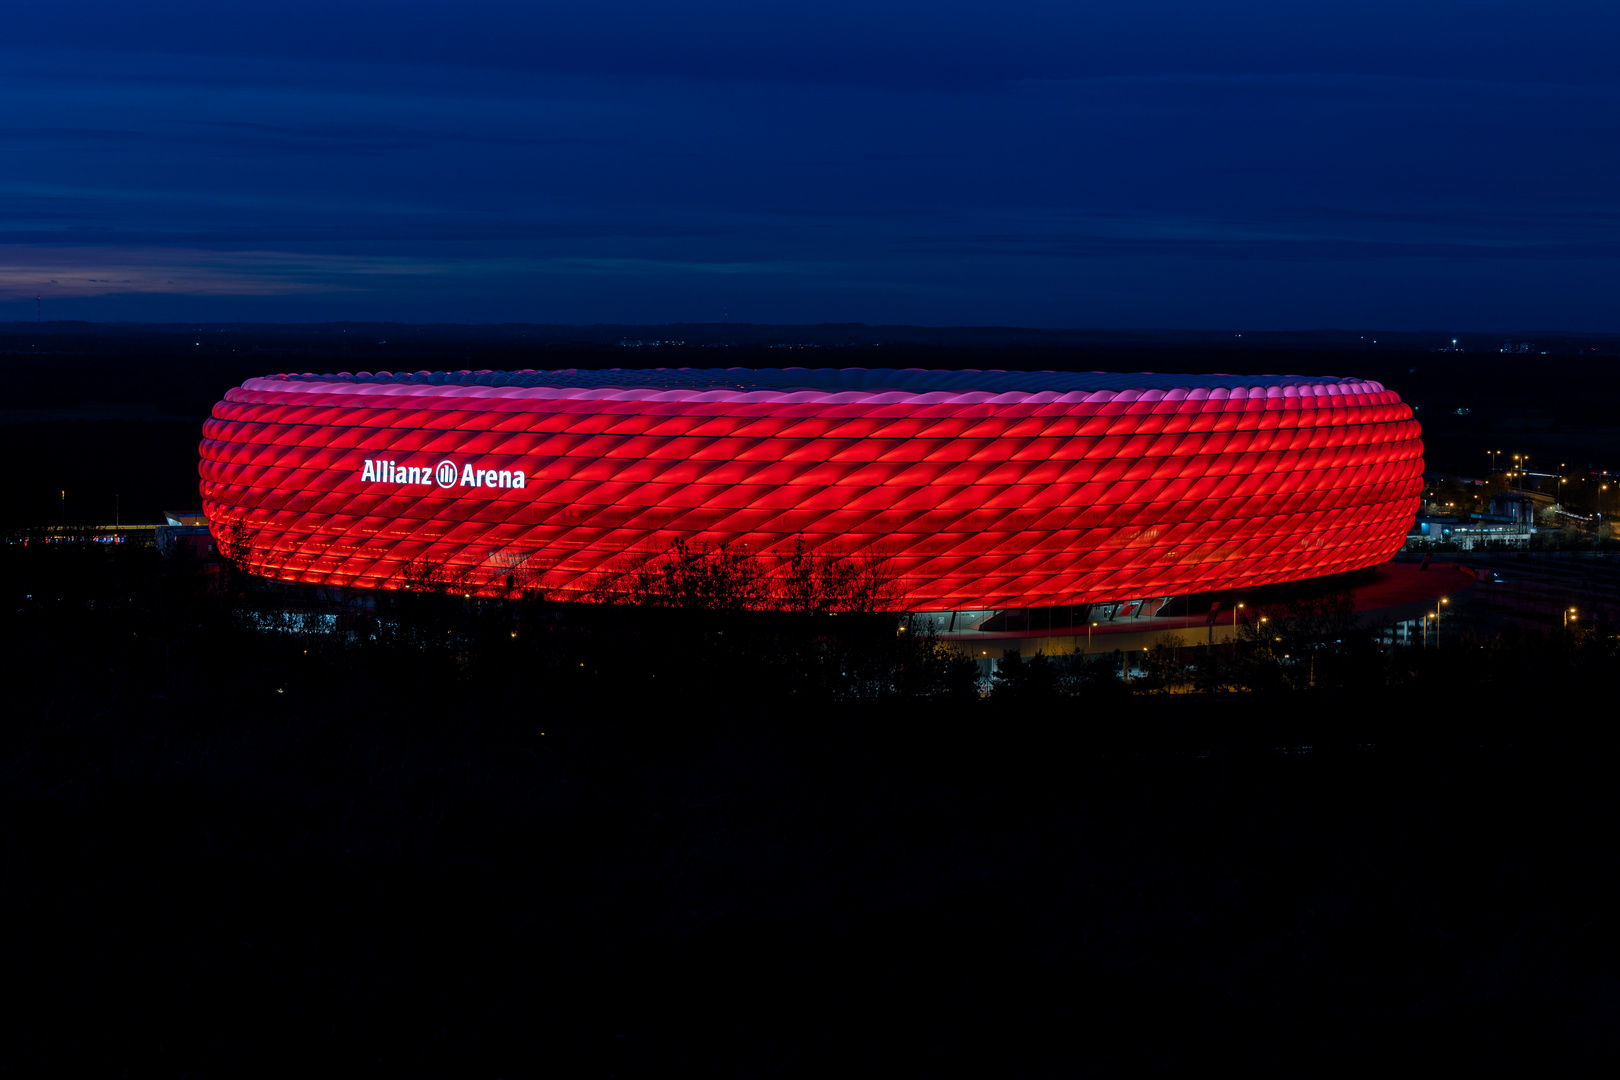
1398	165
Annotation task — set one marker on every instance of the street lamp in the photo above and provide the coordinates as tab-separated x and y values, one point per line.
1570	615
1234	625
1088	638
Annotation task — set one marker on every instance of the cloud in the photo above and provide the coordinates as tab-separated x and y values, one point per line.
617	173
84	272
89	272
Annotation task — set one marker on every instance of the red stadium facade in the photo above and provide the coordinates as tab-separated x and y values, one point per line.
982	489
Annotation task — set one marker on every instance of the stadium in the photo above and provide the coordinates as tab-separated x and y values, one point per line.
981	490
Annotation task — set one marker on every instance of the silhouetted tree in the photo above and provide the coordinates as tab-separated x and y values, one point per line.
1166	666
819	582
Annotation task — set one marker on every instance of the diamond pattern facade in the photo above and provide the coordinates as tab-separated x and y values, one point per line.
981	497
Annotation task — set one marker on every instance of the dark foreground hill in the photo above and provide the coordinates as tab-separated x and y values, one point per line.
241	842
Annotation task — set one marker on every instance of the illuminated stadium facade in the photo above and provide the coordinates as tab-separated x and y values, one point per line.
983	490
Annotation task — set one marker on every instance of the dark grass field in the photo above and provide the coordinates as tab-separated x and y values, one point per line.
230	852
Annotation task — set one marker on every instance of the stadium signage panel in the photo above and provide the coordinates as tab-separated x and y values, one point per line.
981	489
444	474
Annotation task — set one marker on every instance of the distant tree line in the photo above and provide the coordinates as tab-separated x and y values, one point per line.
716	622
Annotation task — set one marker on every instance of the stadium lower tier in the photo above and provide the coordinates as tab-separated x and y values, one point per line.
995	491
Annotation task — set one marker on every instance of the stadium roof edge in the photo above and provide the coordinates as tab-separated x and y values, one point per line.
905	380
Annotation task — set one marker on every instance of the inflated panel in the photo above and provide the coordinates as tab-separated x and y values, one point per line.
980	499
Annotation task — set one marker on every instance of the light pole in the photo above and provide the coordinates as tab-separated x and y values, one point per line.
1570	615
1443	600
1088	638
1234	627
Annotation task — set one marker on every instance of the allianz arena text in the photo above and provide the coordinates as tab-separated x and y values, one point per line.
981	489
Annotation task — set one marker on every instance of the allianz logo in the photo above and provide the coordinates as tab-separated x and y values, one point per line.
445	474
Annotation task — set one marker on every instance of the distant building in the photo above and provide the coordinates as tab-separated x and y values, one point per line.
186	532
1511	521
1520	509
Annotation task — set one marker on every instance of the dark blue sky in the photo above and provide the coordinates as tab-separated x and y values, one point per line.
1243	165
